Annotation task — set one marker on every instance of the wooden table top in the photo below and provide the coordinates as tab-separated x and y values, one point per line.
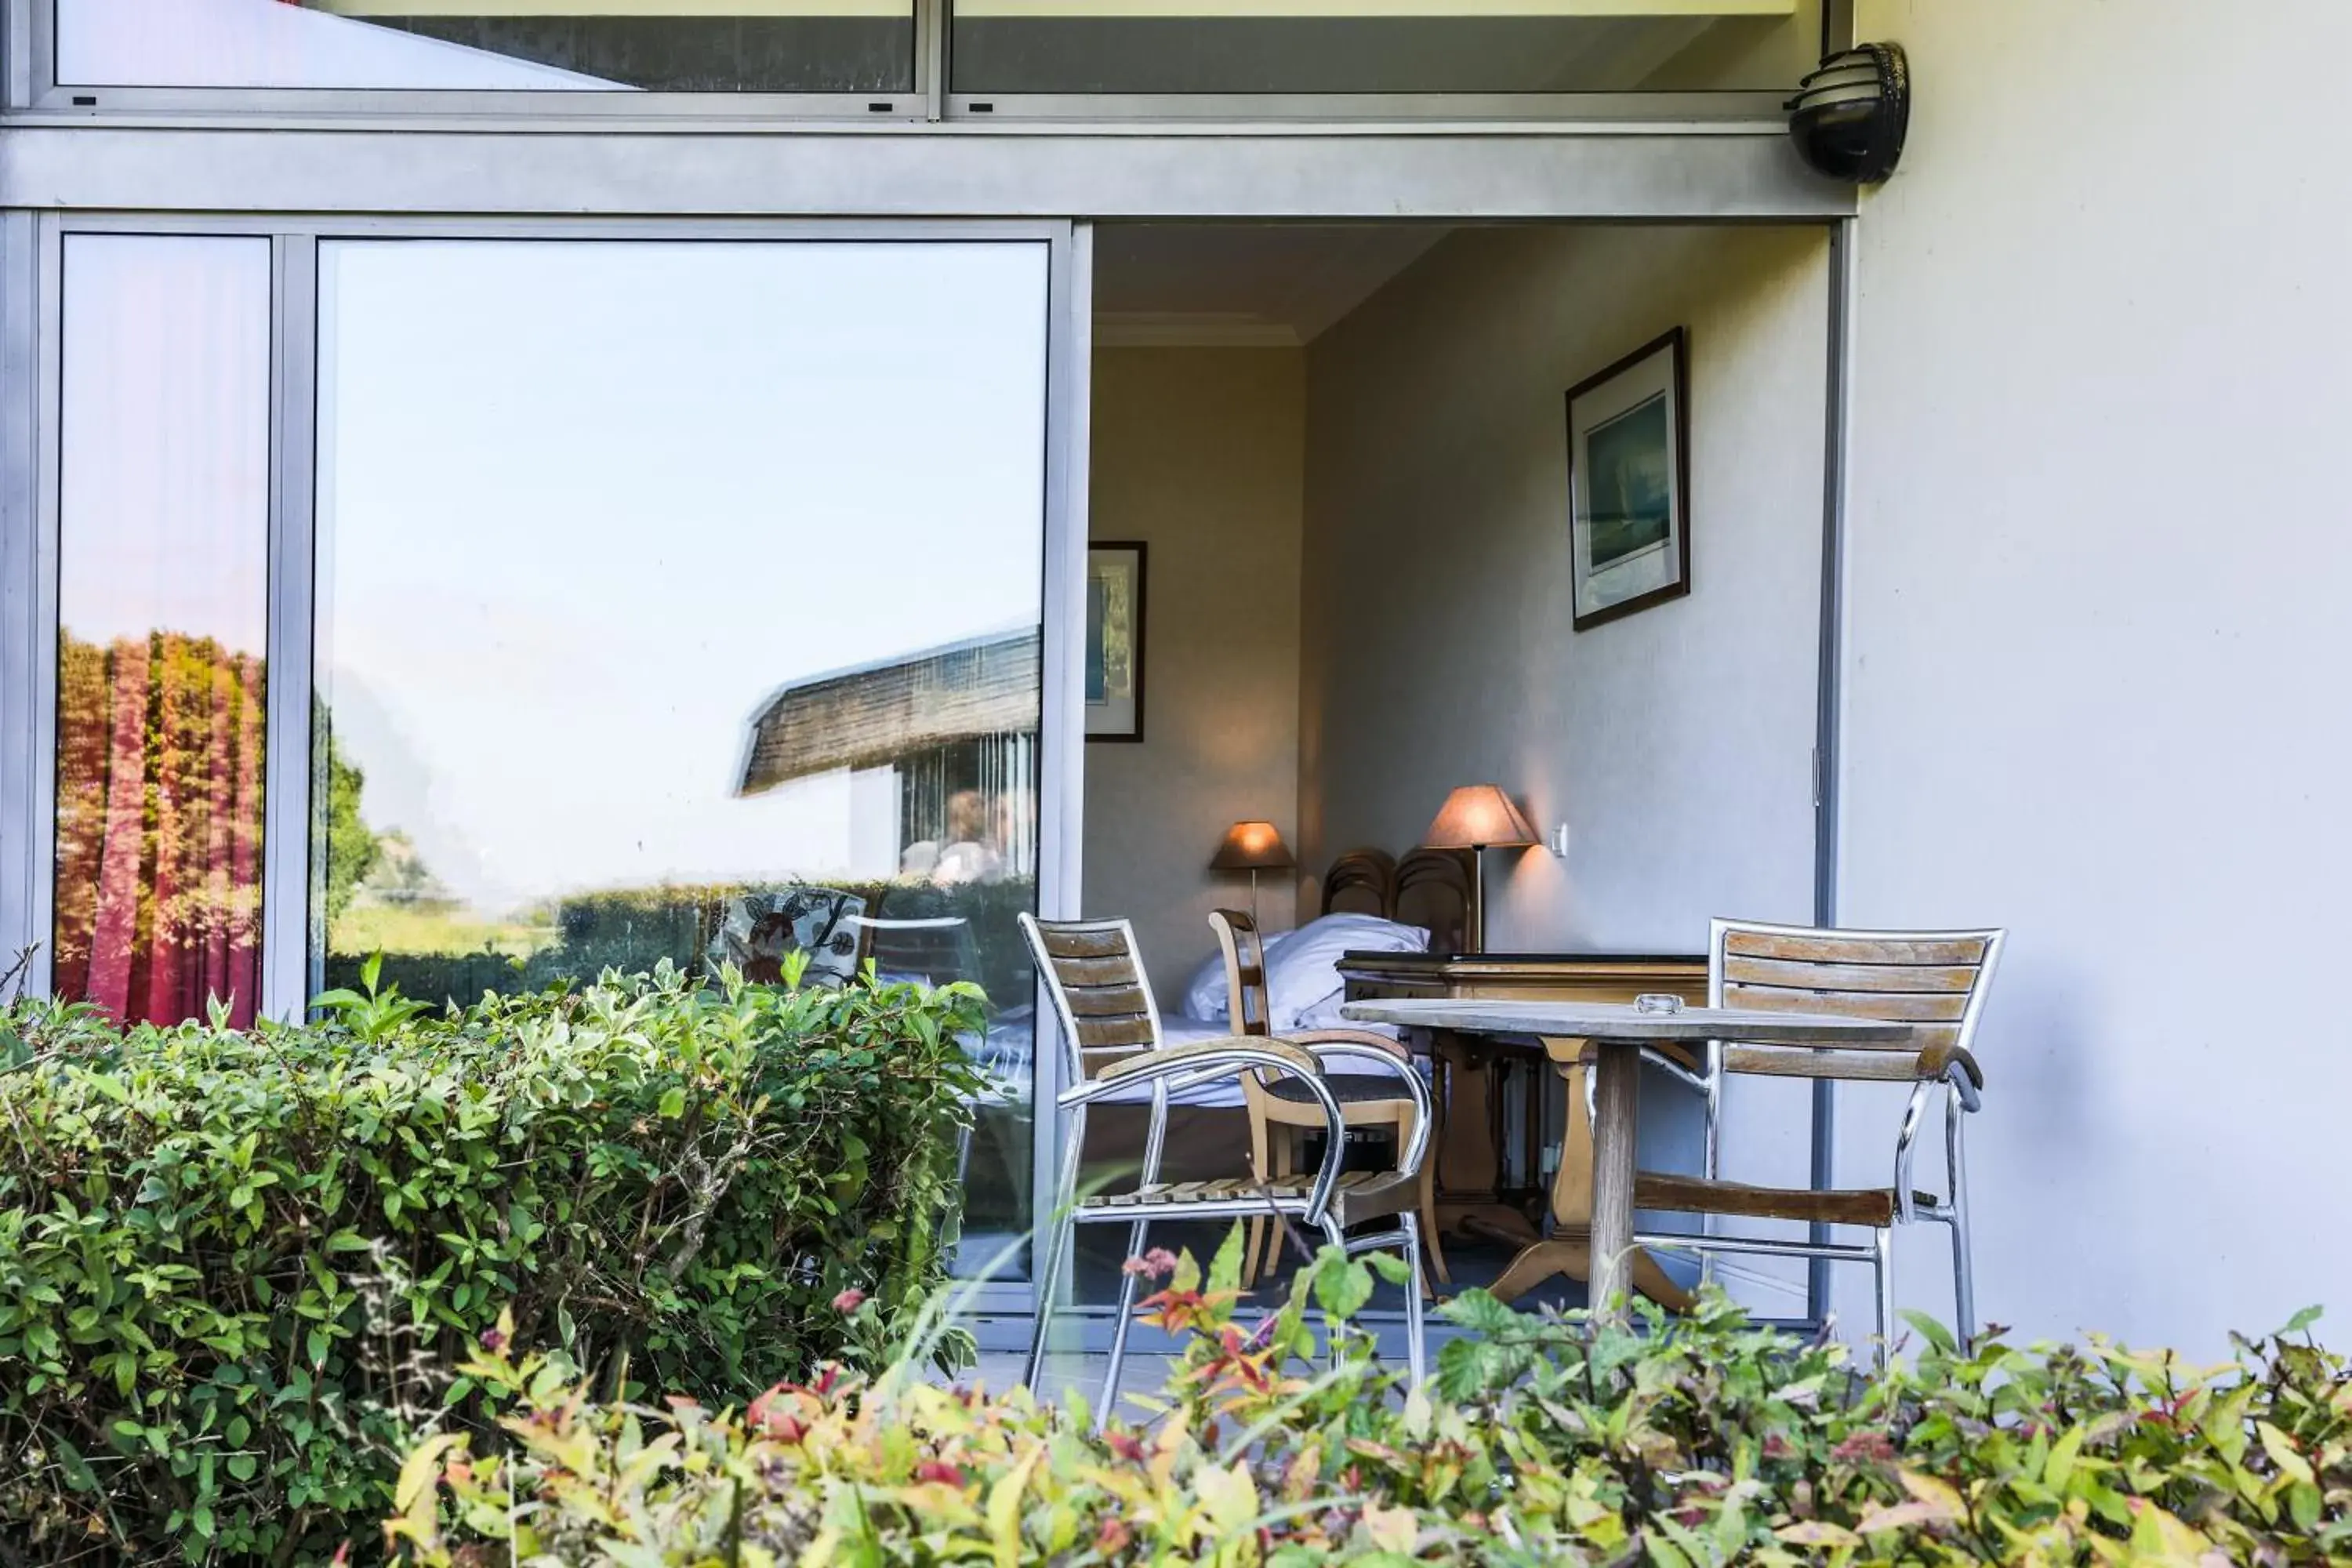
1619	1021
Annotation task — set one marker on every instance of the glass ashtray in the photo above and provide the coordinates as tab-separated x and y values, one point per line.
1657	1002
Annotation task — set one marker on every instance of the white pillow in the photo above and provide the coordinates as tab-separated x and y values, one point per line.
1205	996
1302	979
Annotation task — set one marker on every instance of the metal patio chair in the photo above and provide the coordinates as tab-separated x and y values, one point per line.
1935	981
1103	1002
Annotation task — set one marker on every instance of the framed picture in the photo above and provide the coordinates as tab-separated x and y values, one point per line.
1113	672
1629	483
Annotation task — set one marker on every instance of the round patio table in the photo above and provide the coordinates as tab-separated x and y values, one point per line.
1615	1033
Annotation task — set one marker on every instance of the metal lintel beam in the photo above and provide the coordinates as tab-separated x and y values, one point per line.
1454	173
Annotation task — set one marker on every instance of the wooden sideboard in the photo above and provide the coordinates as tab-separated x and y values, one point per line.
1472	1129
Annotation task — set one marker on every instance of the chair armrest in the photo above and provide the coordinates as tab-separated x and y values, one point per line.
1381	1045
1943	1060
1325	1044
1157	1062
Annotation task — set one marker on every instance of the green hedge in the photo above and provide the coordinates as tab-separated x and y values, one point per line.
1669	1444
236	1267
636	928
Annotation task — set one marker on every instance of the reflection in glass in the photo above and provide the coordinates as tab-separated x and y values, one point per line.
698	45
163	615
682	602
1378	46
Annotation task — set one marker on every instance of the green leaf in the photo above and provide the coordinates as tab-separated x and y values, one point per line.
1476	1309
1225	1268
673	1103
1934	1332
244	1467
1342	1285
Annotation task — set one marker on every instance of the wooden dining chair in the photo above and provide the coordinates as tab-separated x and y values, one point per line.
1935	981
1280	1110
1103	1001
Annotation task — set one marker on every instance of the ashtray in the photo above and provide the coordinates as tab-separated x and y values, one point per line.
1657	1002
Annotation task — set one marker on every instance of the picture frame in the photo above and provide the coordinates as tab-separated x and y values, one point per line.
1113	669
1629	447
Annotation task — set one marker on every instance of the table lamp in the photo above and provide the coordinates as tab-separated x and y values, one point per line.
1253	847
1478	817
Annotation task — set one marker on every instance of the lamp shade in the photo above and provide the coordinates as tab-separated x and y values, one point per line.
1253	847
1478	815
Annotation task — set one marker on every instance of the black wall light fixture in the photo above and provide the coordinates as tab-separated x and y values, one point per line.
1851	113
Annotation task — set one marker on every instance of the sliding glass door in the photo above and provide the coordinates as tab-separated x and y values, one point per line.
626	597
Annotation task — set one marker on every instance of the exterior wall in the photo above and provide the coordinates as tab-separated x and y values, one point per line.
1197	452
2097	570
1676	743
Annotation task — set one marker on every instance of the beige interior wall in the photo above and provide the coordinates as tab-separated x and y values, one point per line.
1199	453
1676	743
1437	647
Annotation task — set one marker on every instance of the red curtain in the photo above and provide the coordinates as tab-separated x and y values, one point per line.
159	826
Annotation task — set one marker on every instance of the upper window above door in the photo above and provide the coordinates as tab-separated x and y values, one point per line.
1072	59
796	46
1329	47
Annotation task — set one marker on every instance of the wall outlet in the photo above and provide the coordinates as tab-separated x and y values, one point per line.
1558	842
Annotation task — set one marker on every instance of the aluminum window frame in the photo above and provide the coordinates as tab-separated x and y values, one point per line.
32	255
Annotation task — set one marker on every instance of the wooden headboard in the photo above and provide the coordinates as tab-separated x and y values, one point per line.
1362	882
1428	888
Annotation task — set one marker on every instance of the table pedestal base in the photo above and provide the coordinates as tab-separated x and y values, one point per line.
1569	1253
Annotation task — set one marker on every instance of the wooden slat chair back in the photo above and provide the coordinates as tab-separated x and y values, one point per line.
1100	992
1935	981
1111	1044
1247	997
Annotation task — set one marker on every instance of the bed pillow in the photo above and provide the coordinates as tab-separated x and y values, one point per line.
1302	976
1205	994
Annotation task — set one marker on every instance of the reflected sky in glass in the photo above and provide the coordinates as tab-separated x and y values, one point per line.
584	506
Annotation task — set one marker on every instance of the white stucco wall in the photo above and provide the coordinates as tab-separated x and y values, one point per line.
2099	573
1197	451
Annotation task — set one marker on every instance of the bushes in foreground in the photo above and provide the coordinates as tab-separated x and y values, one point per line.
237	1268
1541	1441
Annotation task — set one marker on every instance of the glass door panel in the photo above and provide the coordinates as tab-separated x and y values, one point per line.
682	601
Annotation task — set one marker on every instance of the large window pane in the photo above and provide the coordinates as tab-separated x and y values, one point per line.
1013	47
682	601
163	615
693	46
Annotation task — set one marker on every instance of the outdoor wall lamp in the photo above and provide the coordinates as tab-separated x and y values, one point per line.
1852	112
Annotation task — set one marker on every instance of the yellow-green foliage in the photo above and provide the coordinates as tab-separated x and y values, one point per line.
236	1268
1541	1440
